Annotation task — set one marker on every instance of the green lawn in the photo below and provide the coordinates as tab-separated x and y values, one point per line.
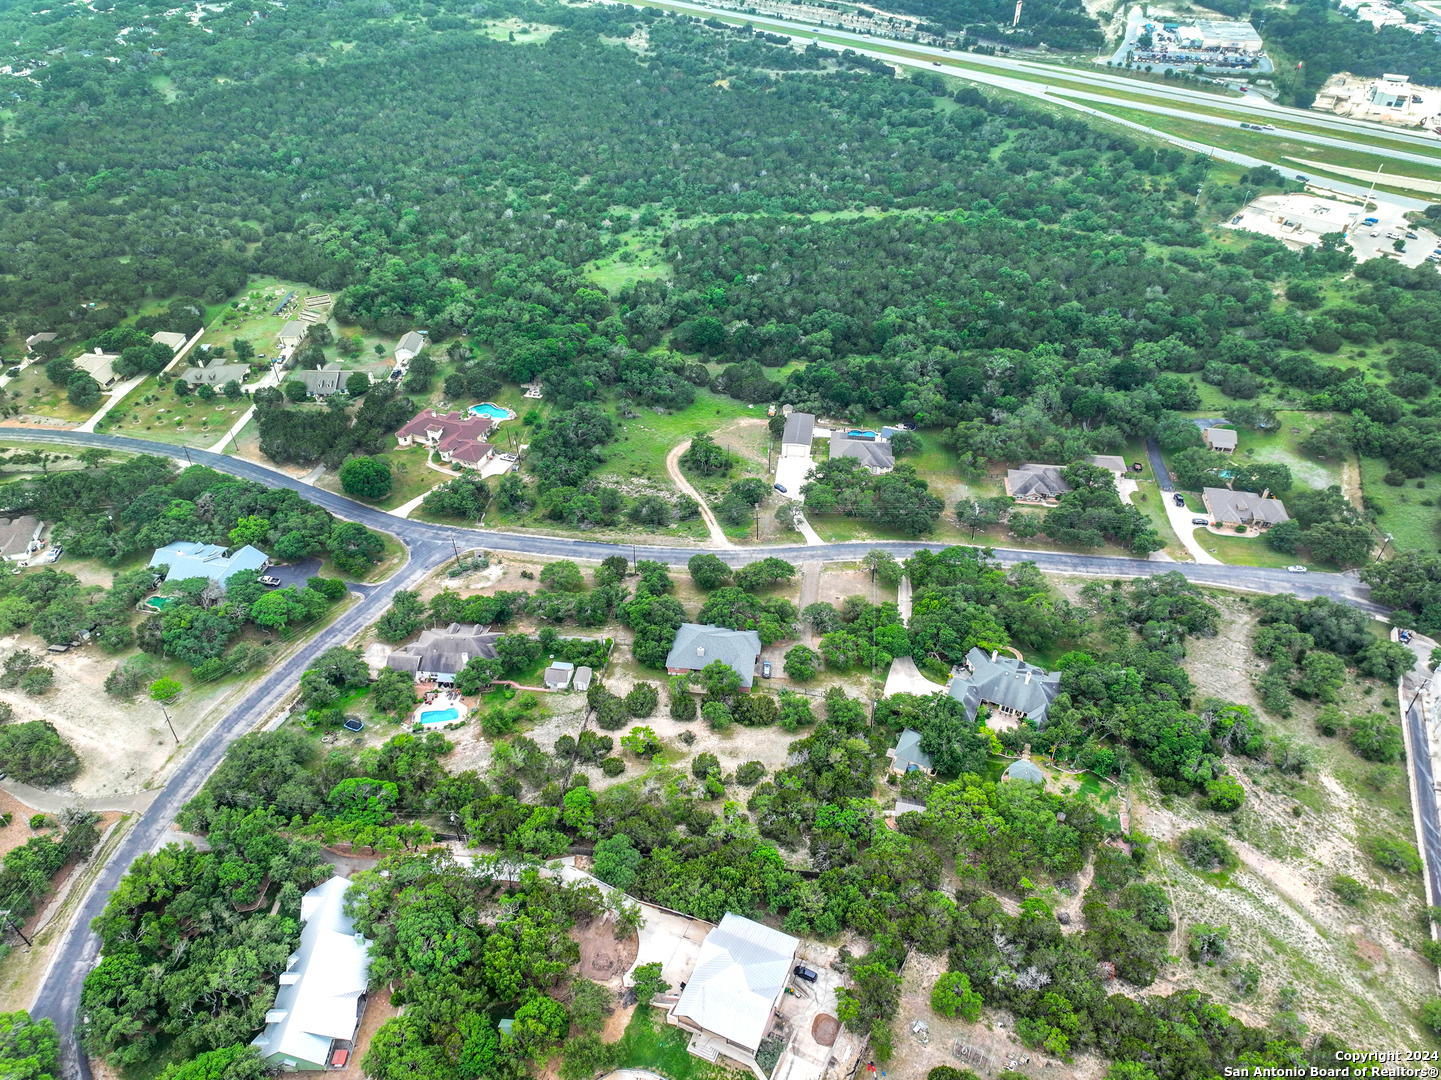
650	1043
643	443
409	477
1150	500
1243	550
1412	524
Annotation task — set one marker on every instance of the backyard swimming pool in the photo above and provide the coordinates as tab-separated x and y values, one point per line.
440	716
490	409
867	434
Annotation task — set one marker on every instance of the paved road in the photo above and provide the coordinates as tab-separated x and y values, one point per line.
429	546
1426	800
1158	465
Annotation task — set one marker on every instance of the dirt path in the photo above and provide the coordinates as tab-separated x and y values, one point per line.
672	466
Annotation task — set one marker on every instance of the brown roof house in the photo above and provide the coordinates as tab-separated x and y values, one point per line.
460	438
1243	508
1222	440
20	537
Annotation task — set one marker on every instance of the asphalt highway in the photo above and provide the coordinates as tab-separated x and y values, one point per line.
429	546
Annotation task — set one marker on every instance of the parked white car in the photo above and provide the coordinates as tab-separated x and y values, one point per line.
1295	569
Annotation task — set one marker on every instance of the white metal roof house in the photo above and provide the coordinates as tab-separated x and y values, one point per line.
409	347
321	999
730	999
292	333
187	559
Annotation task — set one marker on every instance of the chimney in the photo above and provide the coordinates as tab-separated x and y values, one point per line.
700	650
994	654
1028	677
1266	494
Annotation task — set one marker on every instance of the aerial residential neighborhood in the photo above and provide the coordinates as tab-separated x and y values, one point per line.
717	540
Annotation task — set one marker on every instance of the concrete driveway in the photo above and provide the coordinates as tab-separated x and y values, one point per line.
1180	519
791	474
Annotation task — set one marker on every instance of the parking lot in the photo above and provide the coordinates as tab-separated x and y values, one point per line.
1300	220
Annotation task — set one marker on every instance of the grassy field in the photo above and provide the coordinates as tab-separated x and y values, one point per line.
643	443
1413	525
409	474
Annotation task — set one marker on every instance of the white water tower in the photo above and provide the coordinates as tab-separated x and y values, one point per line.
1017	20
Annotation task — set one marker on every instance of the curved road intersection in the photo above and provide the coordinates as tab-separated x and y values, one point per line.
429	546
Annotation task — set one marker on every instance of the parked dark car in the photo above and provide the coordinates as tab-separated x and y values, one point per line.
803	972
1200	521
781	488
1180	499
765	669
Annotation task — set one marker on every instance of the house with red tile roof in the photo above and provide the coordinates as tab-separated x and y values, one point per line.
459	437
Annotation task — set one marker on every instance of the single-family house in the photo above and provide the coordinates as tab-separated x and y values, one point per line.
1110	462
187	559
907	755
322	382
1221	440
1036	483
1228	507
438	656
873	454
322	994
1023	769
215	374
583	678
292	334
99	365
459	437
173	340
20	537
730	1000
696	646
38	339
558	675
799	431
1015	689
409	347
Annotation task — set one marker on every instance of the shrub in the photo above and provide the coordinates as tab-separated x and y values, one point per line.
37	680
642	700
1206	850
562	576
1377	738
703	765
750	773
952	996
39	821
35	753
802	663
1348	890
1225	794
717	715
612	766
642	742
1431	1015
682	701
1208	943
366	478
1330	720
1395	855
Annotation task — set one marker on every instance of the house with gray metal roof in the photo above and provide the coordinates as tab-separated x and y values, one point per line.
873	454
558	675
730	1000
1222	440
215	374
438	656
170	339
1013	688
907	756
292	334
322	994
1243	508
187	559
1036	483
799	431
409	347
696	646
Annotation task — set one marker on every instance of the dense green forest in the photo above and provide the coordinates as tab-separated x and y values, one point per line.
461	946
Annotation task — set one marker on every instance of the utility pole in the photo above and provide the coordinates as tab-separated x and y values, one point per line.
454	547
1384	542
169	724
187	455
11	924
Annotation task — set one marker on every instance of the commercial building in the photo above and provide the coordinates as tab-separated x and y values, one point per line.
1015	689
187	559
322	994
730	1000
1391	99
696	646
438	656
1227	507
